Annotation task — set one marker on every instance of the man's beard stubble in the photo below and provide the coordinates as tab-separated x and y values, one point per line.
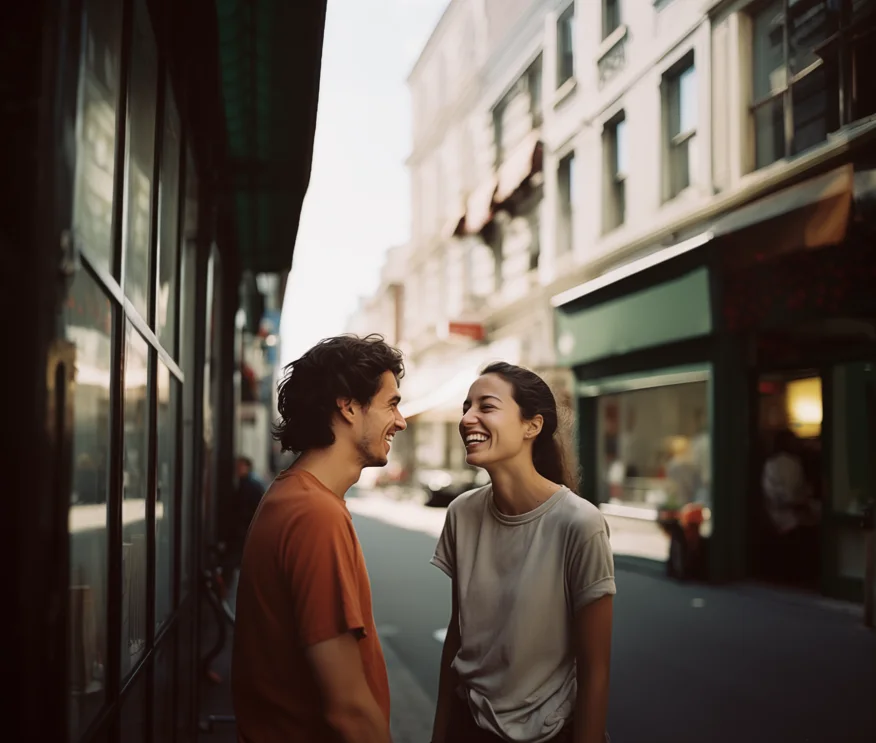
367	458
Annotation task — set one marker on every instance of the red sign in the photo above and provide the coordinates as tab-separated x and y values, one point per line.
473	330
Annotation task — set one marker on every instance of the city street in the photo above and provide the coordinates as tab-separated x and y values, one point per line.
690	663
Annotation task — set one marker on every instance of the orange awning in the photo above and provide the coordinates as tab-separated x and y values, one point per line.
479	207
524	161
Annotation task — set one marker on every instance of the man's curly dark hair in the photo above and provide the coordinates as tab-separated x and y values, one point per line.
345	366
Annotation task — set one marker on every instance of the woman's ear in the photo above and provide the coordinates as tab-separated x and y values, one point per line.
533	427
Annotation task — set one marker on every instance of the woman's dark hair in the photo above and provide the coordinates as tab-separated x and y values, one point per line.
345	366
534	397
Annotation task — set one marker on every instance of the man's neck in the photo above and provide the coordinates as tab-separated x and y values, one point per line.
333	468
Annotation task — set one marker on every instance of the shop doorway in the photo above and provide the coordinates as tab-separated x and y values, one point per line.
787	493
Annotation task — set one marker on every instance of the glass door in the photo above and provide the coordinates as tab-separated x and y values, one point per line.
851	483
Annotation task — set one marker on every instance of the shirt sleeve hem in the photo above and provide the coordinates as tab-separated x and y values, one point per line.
602	587
357	629
442	565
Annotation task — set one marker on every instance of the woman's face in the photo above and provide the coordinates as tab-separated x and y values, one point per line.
492	428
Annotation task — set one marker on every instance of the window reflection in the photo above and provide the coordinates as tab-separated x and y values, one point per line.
132	721
165	495
96	129
88	320
165	309
655	448
141	142
134	489
163	692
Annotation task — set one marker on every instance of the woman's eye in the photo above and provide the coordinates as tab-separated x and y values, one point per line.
487	407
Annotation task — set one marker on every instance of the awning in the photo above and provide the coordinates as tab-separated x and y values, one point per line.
812	214
479	207
523	162
270	118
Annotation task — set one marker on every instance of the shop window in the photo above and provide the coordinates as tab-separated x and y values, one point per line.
163	691
134	498
142	99
654	447
611	17
615	153
168	226
566	189
566	46
853	429
88	320
133	718
165	492
96	130
680	112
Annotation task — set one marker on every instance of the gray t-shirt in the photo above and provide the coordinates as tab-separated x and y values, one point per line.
520	579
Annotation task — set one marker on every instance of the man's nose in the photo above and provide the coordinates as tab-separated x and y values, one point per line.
400	422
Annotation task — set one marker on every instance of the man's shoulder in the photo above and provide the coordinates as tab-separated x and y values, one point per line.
295	498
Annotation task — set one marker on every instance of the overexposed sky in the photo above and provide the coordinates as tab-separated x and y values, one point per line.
358	203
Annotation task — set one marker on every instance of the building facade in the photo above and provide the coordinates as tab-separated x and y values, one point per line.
649	196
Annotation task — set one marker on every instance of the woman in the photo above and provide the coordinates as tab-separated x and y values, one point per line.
526	656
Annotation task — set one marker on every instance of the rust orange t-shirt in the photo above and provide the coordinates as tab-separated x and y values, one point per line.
302	581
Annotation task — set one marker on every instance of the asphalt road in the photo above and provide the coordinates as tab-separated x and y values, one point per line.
689	663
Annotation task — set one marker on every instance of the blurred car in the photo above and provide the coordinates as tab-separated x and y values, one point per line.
442	486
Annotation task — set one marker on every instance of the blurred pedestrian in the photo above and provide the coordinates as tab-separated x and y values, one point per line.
247	497
527	653
307	663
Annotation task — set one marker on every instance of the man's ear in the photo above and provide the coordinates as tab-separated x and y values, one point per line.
533	427
346	408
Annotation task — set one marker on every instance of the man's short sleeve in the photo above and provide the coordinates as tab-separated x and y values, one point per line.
590	568
320	561
445	551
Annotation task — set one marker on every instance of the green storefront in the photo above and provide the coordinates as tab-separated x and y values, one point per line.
690	361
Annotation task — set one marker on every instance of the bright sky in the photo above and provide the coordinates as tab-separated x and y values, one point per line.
358	204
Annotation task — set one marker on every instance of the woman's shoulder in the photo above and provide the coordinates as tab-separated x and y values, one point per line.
585	520
469	501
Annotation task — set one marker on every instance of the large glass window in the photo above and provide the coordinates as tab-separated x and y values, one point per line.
163	692
142	98
133	719
852	433
810	73
681	119
165	492
96	129
168	230
654	447
88	319
134	494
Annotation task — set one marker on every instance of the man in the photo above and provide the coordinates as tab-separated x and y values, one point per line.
247	498
307	664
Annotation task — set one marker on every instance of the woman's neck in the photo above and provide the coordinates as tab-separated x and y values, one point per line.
518	487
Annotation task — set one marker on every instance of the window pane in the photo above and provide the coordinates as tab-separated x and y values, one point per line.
165	495
687	88
88	320
851	434
96	129
620	144
168	237
770	73
141	155
133	720
810	24
610	16
134	555
769	123
680	171
185	675
816	108
163	691
566	46
654	452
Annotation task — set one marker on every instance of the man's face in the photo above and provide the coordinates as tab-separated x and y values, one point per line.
379	422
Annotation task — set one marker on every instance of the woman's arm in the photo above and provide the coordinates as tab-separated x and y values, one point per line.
447	681
592	638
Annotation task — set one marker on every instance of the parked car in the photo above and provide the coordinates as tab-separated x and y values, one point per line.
442	486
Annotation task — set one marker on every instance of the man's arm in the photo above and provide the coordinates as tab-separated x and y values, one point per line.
447	680
348	704
592	638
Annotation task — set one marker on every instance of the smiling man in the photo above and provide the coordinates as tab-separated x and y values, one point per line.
307	664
